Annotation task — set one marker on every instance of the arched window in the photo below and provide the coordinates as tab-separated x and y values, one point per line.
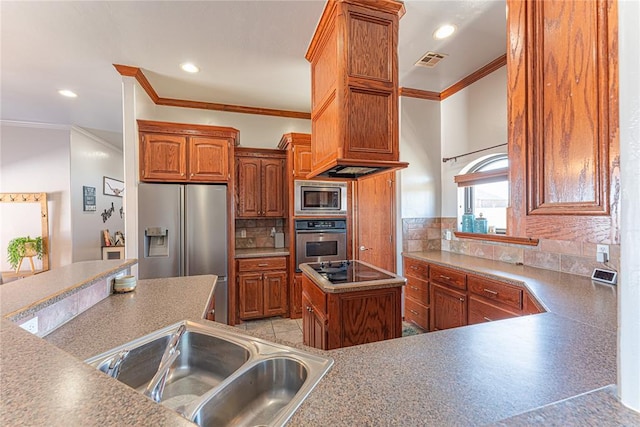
484	189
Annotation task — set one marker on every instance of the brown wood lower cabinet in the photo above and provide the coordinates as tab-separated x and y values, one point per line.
481	311
296	304
448	308
335	320
262	293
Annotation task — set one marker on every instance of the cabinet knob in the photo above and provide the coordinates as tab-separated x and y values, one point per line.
364	248
193	174
181	173
461	299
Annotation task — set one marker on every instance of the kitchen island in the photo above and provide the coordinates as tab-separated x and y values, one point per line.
488	373
346	303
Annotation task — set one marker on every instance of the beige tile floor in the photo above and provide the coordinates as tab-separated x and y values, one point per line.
276	327
291	329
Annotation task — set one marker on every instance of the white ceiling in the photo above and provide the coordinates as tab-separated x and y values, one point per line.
250	53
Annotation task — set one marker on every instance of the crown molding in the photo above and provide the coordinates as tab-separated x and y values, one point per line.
95	138
37	125
492	66
129	71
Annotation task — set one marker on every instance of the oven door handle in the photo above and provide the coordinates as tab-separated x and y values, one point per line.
320	231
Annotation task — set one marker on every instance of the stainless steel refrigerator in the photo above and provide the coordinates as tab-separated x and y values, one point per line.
183	232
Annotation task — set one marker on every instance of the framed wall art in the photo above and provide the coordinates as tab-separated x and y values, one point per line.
88	198
113	187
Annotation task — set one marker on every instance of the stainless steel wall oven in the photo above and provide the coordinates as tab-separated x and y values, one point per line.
319	240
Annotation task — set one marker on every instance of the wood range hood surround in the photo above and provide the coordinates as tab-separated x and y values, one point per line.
354	91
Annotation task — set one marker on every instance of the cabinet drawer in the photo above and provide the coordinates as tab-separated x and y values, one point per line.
415	268
416	313
449	277
314	294
496	291
259	264
418	290
480	312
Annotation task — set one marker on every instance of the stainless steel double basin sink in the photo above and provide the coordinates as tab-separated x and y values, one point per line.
214	376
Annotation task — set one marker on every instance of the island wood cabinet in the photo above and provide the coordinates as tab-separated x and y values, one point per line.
562	91
260	190
336	320
453	298
314	316
176	152
262	287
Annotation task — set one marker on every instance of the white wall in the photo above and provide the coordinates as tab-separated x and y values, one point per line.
92	159
420	146
255	130
629	287
35	158
472	119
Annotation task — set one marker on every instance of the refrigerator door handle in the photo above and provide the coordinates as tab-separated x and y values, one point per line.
184	263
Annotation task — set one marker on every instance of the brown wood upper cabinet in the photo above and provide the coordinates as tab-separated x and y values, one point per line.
354	93
298	147
562	91
260	189
177	152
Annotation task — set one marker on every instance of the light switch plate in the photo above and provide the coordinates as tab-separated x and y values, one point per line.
605	276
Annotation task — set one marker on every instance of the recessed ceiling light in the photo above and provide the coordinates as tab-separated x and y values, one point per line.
444	31
189	67
68	93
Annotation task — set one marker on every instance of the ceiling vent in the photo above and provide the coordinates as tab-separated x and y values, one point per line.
431	59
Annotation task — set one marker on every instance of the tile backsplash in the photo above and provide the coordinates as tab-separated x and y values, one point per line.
256	233
557	255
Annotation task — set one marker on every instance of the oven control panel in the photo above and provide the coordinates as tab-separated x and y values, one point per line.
321	224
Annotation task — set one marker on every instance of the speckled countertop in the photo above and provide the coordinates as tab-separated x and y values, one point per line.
43	385
23	296
575	297
481	374
261	252
331	288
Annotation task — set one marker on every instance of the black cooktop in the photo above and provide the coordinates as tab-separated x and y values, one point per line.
348	272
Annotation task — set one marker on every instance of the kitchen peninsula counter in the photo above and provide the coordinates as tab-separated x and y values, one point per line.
475	375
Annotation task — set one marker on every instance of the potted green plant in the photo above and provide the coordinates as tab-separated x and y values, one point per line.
21	247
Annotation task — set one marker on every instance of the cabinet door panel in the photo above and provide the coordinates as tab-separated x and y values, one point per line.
275	293
448	308
209	159
301	161
272	188
563	120
250	293
164	157
248	187
296	297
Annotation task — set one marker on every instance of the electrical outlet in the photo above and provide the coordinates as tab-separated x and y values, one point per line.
447	235
602	253
243	233
31	325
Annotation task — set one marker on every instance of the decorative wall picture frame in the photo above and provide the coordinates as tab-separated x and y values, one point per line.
88	199
113	187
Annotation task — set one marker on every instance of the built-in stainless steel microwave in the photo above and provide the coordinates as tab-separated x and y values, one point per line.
320	198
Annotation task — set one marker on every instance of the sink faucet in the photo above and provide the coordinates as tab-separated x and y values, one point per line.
113	370
155	388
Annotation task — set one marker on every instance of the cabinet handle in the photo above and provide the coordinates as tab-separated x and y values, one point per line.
487	319
490	291
414	312
445	277
414	287
413	267
182	174
263	265
461	299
